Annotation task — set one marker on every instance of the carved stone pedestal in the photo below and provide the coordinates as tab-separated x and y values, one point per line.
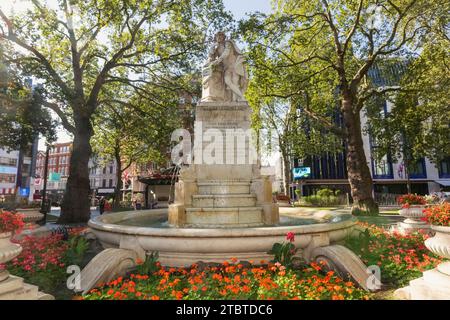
224	186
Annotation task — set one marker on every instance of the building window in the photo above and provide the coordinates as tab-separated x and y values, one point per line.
382	169
444	168
110	183
417	169
111	169
7	178
5	161
104	183
104	170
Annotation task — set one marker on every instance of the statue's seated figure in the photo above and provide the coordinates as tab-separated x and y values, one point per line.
225	77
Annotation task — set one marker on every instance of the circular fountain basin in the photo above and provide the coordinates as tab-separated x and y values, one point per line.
149	230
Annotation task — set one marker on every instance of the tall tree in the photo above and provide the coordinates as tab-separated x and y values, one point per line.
418	123
21	115
80	48
330	46
133	130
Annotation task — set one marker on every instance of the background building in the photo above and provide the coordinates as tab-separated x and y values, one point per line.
58	169
389	177
102	177
9	161
17	172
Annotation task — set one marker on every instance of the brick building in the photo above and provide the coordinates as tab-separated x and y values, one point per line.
58	168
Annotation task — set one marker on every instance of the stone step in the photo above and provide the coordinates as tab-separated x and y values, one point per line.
228	217
223	187
12	283
27	292
223	200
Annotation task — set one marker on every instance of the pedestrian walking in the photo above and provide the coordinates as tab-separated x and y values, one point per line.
101	205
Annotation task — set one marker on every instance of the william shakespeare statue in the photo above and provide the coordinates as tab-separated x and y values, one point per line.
225	77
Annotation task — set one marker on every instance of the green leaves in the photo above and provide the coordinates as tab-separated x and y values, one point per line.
283	253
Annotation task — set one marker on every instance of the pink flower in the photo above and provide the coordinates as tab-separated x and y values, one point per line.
290	236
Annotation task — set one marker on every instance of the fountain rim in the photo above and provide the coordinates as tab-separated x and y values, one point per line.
97	223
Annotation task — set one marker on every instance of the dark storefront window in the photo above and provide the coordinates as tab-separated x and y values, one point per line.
444	168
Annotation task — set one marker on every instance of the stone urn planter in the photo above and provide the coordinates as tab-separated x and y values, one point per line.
8	251
440	246
414	215
434	284
30	217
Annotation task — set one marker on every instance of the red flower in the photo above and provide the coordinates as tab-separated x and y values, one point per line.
290	236
411	199
11	222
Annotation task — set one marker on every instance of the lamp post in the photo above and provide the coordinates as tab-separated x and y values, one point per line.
44	206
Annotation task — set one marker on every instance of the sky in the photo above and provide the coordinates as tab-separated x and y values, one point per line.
238	8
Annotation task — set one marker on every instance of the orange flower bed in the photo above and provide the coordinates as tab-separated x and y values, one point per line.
229	281
400	257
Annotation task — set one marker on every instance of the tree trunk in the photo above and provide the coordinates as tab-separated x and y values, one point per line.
358	171
116	203
286	173
76	206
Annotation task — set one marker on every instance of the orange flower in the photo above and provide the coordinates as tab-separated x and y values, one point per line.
245	288
154	298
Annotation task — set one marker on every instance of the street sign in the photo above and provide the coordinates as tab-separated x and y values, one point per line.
105	190
54	176
24	192
301	172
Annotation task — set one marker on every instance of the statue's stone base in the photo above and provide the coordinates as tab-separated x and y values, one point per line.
433	285
224	187
13	288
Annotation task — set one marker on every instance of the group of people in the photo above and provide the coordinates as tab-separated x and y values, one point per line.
104	205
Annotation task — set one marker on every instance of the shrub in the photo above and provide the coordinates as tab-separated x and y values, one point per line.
317	200
325	193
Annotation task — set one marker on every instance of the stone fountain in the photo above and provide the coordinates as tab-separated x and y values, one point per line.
223	206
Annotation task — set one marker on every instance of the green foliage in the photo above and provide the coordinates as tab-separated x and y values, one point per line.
149	265
78	245
324	197
417	124
88	53
319	201
314	58
21	115
325	192
401	258
283	253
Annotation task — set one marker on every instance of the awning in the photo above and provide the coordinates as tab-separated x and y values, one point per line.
445	183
